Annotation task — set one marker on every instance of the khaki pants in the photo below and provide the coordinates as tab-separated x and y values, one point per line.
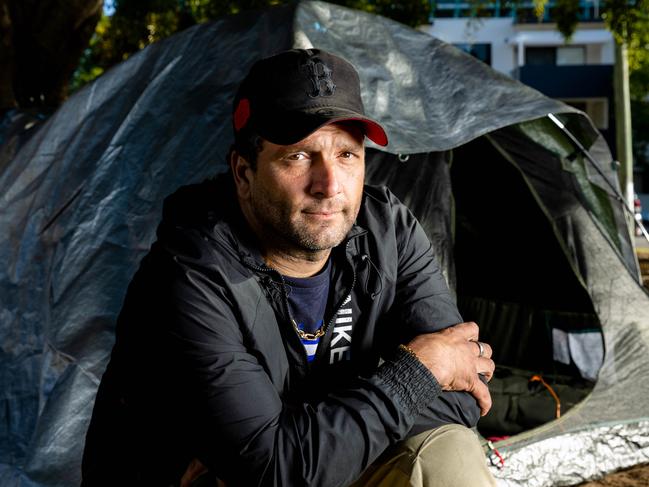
448	456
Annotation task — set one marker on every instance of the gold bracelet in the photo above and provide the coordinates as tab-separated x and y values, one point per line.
406	348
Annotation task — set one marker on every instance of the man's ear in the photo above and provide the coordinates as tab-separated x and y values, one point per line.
240	170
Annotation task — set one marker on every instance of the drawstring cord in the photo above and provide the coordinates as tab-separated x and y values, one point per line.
275	289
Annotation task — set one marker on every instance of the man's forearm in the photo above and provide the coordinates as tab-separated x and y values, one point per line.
450	407
330	442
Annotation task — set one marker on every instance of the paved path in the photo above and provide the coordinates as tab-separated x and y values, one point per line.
640	243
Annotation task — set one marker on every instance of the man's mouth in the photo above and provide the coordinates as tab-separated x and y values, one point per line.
322	214
323	211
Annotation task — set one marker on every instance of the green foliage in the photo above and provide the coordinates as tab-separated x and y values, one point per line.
629	22
134	25
137	23
539	8
89	68
626	19
206	10
566	13
408	12
637	38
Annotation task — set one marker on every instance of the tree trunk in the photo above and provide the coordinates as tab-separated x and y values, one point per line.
7	99
42	42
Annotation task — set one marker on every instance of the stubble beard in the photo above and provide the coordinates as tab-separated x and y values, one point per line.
300	236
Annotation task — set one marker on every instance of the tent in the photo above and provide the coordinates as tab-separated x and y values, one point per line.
529	233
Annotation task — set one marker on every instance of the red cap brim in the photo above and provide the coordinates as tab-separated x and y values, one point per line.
373	130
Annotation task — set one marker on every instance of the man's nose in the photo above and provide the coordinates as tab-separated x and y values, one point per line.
325	178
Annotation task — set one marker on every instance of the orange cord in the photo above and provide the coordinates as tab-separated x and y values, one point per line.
538	378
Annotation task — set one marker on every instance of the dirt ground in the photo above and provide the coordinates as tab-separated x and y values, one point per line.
637	476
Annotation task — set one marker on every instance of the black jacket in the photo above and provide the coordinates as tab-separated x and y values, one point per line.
207	364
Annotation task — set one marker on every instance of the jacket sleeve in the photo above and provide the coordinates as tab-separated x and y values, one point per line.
424	304
248	434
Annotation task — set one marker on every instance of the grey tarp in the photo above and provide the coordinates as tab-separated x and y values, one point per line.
81	194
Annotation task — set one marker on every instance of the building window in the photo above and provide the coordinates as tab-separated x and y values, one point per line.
571	55
595	108
544	56
479	51
555	56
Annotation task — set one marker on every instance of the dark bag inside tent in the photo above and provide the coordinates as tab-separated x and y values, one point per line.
511	273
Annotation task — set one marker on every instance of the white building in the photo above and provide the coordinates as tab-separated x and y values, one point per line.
513	41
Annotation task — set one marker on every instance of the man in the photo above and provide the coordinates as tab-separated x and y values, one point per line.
290	325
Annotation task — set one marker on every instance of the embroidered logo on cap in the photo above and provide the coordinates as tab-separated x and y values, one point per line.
319	74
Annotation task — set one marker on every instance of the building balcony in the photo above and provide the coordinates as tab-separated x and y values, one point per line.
565	82
586	87
521	12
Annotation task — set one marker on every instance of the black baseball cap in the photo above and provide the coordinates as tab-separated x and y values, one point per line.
287	97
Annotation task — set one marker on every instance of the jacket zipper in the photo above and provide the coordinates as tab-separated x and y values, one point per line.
287	307
349	294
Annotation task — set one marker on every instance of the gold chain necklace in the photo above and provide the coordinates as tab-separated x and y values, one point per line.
309	336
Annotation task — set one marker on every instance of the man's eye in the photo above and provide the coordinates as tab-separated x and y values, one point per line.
347	155
296	157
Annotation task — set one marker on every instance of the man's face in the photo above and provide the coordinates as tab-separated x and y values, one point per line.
305	197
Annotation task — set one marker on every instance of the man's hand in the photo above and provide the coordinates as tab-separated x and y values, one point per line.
453	356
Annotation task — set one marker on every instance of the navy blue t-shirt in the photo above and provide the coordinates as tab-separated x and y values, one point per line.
307	298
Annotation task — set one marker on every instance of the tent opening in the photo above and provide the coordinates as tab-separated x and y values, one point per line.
515	281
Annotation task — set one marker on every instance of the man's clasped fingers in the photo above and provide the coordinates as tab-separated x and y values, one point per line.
458	360
485	367
483	349
482	396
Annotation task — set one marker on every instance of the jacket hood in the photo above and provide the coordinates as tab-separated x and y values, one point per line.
194	205
208	210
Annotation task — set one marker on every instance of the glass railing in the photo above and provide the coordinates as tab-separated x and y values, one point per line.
521	12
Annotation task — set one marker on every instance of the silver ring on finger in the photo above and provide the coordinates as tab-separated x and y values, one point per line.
480	346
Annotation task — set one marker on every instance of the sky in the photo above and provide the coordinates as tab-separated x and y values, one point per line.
109	7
